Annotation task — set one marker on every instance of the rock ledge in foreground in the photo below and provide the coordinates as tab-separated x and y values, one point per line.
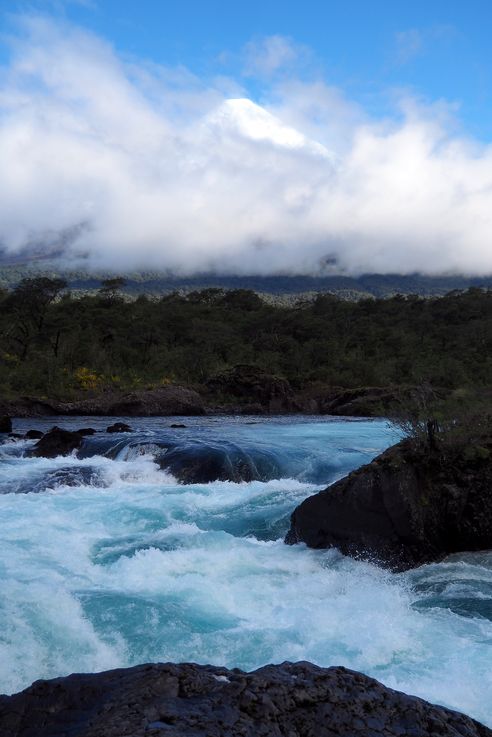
288	700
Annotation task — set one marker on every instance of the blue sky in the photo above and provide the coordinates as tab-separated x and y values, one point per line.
248	137
436	49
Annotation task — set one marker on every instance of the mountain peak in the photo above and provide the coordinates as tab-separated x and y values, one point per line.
243	117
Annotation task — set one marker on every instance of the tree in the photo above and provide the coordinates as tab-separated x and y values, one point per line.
110	288
445	424
28	304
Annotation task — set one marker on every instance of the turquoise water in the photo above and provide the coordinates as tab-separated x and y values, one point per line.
107	561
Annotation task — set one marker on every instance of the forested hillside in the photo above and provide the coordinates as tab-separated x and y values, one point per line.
281	288
55	344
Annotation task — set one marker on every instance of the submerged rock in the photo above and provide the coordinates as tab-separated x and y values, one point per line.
86	431
57	442
200	463
403	509
33	435
119	427
288	700
81	476
5	424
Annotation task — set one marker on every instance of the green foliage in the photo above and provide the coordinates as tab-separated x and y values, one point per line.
457	425
60	344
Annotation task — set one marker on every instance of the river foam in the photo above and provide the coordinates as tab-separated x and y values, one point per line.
110	562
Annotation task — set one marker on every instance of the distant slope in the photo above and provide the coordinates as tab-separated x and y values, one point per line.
158	283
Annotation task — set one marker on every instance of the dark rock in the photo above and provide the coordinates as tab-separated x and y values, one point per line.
119	427
5	424
254	386
16	436
288	700
177	425
86	431
81	476
33	407
255	408
200	463
33	435
360	402
366	401
402	510
163	402
57	442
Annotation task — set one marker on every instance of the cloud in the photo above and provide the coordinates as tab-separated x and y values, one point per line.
409	44
266	56
414	42
125	164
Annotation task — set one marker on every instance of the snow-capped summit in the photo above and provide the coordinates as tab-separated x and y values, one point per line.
240	116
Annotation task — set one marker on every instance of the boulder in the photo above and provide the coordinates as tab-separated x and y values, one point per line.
33	435
188	700
86	431
119	427
57	442
5	424
200	463
403	509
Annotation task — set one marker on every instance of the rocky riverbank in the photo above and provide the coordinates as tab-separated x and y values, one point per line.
244	390
188	700
163	401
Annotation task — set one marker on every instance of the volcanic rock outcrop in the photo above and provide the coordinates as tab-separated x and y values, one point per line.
288	700
403	509
253	386
57	442
163	401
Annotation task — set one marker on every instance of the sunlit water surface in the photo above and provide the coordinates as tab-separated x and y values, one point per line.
106	561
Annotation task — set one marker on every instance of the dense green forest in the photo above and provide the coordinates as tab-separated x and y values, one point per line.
53	343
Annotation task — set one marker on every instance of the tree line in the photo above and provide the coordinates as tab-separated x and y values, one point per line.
54	343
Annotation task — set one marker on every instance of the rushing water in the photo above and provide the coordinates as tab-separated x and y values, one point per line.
106	561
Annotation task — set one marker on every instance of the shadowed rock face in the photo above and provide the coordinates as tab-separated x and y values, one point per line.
57	442
5	424
288	700
254	385
163	401
402	510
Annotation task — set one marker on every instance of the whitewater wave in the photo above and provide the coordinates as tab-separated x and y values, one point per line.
108	561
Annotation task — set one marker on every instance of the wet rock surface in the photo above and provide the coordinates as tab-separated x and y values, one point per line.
288	700
403	509
33	435
57	442
202	463
119	427
5	424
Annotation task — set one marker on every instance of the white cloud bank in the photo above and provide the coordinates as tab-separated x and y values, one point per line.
134	165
